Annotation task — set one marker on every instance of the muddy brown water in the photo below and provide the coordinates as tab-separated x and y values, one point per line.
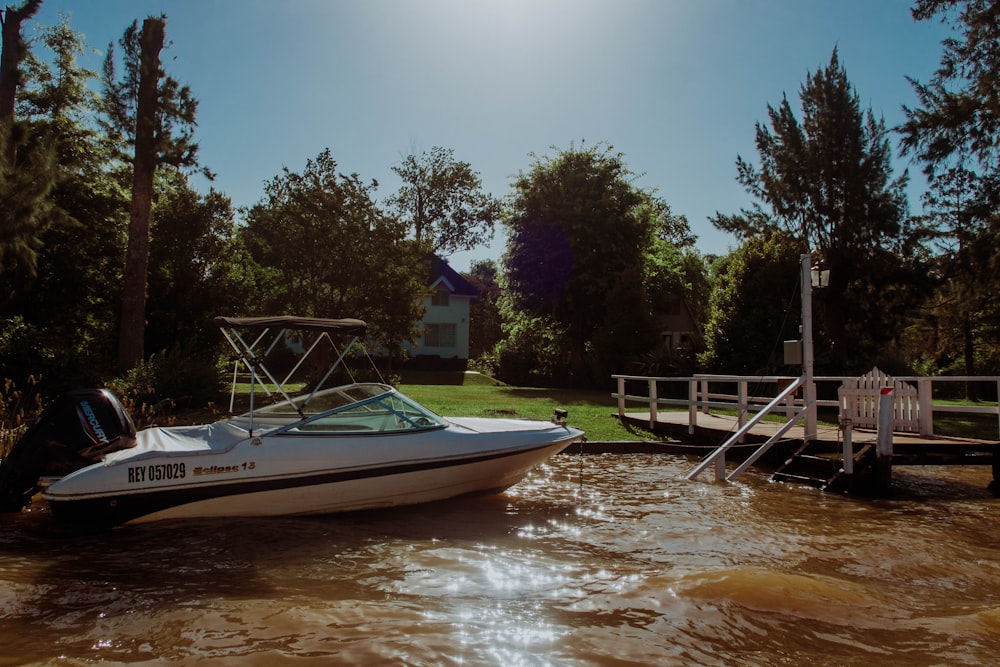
593	560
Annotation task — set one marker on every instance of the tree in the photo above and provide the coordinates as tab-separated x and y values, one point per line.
578	228
69	300
953	132
25	182
11	55
156	115
190	280
744	331
827	180
959	115
443	201
324	249
484	317
960	327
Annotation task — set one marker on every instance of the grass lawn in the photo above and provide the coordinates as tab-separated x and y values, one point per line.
473	395
455	394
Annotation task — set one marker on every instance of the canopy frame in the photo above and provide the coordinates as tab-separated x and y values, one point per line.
255	338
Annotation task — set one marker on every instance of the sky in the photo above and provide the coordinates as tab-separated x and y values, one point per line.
676	86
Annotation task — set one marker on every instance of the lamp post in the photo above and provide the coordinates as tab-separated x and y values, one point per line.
811	277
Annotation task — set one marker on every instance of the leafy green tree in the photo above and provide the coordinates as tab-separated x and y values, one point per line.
960	327
484	316
578	228
190	281
443	201
533	349
156	116
958	117
953	133
827	180
325	249
754	306
675	280
68	305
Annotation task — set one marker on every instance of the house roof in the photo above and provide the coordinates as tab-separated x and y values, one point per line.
440	271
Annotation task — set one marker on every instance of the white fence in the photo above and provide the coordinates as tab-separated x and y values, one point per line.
750	393
860	400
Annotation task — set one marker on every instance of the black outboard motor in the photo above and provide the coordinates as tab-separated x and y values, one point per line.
76	430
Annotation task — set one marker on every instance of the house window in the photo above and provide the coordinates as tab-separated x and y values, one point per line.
441	298
440	335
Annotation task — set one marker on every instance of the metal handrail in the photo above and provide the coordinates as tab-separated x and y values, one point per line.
719	455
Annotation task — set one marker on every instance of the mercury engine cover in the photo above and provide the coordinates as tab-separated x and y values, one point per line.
76	430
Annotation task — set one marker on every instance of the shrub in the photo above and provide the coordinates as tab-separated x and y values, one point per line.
18	409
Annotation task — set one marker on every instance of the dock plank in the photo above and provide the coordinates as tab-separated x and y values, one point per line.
713	429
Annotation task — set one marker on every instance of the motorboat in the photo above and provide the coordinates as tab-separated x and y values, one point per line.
360	445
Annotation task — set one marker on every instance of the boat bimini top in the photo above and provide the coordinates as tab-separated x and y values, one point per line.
256	338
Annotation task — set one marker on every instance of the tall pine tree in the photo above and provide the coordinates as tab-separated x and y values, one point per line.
827	180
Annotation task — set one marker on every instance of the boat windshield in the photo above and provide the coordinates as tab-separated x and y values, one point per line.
356	408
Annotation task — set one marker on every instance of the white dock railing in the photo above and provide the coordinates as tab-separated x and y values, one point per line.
751	393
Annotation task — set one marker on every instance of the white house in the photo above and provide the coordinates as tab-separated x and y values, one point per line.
445	325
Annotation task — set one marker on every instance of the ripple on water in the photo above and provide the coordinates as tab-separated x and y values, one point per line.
593	560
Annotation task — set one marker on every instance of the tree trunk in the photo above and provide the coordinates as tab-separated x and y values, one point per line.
10	62
130	342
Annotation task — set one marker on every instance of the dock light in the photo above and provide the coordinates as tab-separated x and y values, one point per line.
560	416
819	276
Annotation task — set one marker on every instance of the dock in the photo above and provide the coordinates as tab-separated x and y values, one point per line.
824	452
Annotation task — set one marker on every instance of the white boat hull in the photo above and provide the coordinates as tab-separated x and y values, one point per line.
295	474
384	490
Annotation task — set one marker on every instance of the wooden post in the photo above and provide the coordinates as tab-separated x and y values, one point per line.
883	442
848	446
848	454
742	404
692	405
652	404
621	398
994	484
925	402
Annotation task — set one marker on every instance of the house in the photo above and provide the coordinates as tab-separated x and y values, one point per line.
678	327
445	327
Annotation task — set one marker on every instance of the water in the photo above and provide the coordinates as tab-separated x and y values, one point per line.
594	560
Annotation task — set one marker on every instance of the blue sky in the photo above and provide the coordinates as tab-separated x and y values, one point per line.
675	85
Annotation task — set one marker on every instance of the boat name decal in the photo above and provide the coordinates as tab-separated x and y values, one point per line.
156	472
221	470
90	419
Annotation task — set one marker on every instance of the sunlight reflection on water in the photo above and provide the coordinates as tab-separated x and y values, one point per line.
592	560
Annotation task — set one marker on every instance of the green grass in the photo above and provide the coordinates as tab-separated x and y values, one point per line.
980	427
472	395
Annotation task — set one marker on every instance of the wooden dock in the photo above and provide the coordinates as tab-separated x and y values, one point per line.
908	448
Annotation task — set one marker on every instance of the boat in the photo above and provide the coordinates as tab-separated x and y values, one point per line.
357	446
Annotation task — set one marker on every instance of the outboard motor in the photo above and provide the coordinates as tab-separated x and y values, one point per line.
75	431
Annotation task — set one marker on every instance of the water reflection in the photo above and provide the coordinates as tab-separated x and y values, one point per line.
593	560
